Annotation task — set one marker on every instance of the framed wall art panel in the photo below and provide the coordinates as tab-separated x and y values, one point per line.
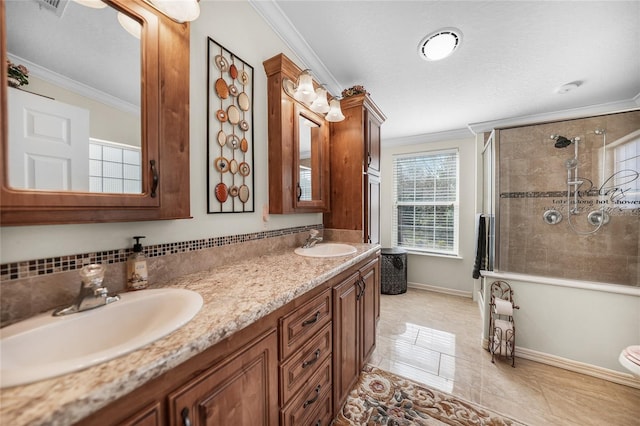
230	179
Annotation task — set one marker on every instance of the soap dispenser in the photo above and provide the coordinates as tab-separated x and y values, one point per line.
137	274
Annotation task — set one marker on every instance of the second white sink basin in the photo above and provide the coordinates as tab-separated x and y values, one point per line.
46	346
326	250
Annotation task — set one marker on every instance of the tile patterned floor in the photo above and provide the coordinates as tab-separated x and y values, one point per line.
435	339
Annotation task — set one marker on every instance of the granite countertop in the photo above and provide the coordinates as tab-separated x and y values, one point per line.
235	296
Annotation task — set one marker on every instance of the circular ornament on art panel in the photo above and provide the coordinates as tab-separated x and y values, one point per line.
233	141
243	101
233	90
233	71
222	138
222	192
222	90
243	77
244	125
243	193
233	191
221	164
233	114
233	166
244	145
244	169
221	63
221	115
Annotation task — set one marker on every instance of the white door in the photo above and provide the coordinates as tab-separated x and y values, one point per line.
48	143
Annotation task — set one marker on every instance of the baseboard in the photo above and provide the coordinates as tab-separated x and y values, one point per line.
575	366
444	290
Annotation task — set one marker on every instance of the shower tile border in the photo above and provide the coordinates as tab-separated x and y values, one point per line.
52	265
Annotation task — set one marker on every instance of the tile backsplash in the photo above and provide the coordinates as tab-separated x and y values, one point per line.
33	286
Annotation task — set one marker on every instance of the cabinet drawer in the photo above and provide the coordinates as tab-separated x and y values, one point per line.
303	363
298	326
316	393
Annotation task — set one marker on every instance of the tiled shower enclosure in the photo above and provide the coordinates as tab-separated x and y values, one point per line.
565	215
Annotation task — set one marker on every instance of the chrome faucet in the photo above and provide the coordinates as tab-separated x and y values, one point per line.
92	293
313	238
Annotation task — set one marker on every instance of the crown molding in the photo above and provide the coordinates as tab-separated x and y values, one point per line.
429	137
284	28
567	114
75	86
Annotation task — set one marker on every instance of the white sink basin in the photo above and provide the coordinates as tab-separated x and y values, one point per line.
326	250
46	346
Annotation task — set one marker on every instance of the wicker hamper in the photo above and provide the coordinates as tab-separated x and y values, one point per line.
394	271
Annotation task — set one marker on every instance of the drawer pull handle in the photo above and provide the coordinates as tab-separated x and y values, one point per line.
312	361
312	320
314	399
185	417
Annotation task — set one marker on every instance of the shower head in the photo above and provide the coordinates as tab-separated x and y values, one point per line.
561	141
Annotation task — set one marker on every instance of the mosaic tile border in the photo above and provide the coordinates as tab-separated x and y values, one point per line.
548	194
52	265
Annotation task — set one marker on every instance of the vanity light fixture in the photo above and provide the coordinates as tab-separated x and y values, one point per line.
335	113
440	44
178	10
316	100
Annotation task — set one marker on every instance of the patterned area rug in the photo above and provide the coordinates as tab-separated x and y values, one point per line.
382	398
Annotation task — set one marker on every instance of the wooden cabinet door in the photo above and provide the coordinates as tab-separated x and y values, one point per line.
345	341
372	142
241	390
367	302
372	210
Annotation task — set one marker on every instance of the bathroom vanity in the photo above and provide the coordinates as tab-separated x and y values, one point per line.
268	347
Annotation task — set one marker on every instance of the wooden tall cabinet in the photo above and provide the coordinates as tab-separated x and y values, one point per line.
355	169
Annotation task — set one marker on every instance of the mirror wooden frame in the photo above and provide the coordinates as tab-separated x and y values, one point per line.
319	158
165	138
283	114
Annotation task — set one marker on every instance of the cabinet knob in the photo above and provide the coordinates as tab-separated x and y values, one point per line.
314	399
185	417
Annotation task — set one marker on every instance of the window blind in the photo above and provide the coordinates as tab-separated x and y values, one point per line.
425	211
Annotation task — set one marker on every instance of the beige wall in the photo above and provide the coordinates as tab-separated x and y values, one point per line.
447	273
532	179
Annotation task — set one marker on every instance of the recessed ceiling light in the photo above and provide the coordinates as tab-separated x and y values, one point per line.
565	88
440	44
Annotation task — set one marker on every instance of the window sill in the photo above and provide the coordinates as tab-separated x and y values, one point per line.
431	254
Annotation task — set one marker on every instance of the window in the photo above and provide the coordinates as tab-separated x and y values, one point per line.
114	167
425	212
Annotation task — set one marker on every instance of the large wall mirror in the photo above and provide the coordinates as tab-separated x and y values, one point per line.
76	125
98	73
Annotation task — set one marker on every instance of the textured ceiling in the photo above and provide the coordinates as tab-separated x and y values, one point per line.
513	56
85	45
